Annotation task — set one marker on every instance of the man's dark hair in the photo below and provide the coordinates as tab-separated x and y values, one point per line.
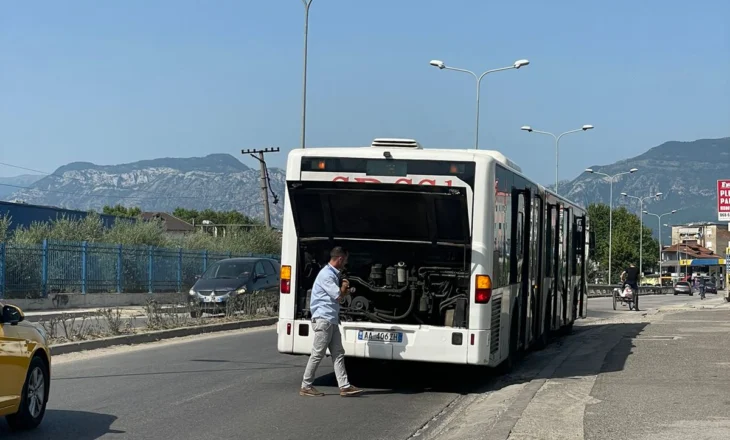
338	251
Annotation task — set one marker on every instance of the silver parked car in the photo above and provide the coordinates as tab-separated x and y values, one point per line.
684	288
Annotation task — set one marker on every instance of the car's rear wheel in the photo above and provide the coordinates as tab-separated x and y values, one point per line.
34	399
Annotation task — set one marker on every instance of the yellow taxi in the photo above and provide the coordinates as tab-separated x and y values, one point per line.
25	370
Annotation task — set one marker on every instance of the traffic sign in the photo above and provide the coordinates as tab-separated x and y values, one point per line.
723	200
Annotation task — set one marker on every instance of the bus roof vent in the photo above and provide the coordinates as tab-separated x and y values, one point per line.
504	160
396	143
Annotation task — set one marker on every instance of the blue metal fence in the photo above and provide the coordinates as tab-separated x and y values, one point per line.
34	271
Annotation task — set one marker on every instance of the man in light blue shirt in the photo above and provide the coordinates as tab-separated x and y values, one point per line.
327	293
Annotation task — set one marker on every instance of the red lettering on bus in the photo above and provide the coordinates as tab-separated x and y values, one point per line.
402	180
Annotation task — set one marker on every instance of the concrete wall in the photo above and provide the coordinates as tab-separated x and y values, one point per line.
62	301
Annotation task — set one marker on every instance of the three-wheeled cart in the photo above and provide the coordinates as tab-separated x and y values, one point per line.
630	299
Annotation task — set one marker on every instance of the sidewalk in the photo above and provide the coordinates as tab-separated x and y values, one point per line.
674	385
653	376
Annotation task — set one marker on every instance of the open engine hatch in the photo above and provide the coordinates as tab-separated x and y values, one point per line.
380	211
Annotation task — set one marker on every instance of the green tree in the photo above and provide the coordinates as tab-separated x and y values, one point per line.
625	241
122	211
217	217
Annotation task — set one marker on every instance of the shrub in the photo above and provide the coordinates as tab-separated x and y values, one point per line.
140	233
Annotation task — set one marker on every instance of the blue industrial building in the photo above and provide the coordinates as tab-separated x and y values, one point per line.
23	214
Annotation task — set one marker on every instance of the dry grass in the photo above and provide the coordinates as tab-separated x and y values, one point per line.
108	322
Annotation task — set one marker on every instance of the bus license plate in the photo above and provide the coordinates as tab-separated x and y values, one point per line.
366	335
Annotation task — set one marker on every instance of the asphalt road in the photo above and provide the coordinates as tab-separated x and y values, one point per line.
674	385
238	386
230	387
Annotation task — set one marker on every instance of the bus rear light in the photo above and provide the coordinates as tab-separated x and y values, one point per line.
288	329
483	291
285	279
285	286
472	339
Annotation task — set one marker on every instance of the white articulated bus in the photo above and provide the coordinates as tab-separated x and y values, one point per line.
455	256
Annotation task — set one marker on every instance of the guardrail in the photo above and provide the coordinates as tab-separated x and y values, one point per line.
601	290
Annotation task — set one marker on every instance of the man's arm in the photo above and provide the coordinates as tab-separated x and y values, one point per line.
332	286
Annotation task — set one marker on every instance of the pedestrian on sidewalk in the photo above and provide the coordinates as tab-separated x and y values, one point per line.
327	293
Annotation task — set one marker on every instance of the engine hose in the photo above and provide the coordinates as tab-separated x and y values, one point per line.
445	290
399	317
450	301
443	271
378	289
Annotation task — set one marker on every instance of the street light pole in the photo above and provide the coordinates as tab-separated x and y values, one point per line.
659	219
529	129
441	65
307	4
641	226
610	212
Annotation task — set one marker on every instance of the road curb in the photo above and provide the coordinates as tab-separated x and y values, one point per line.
609	295
143	338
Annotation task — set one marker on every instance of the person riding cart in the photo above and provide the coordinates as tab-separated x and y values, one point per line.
630	277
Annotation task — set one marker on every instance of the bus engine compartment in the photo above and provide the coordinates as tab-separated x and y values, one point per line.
393	282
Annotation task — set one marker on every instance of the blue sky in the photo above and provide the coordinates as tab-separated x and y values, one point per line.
112	82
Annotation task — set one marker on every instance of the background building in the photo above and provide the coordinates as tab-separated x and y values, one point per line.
22	214
713	236
172	224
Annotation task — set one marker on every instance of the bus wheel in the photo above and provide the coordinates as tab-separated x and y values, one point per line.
567	330
543	339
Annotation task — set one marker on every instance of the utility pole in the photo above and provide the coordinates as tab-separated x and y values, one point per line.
264	179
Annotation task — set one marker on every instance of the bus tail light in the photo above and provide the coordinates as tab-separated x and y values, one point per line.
285	279
483	291
288	328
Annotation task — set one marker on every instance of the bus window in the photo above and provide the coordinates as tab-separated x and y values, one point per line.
502	226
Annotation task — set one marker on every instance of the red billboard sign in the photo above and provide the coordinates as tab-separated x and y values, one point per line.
723	200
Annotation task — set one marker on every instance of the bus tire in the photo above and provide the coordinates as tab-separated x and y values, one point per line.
542	341
568	329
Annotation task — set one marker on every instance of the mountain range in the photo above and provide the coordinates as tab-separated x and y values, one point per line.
217	181
9	185
685	172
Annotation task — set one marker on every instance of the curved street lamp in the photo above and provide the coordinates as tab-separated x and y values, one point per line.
441	66
641	223
610	212
529	129
659	219
307	4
